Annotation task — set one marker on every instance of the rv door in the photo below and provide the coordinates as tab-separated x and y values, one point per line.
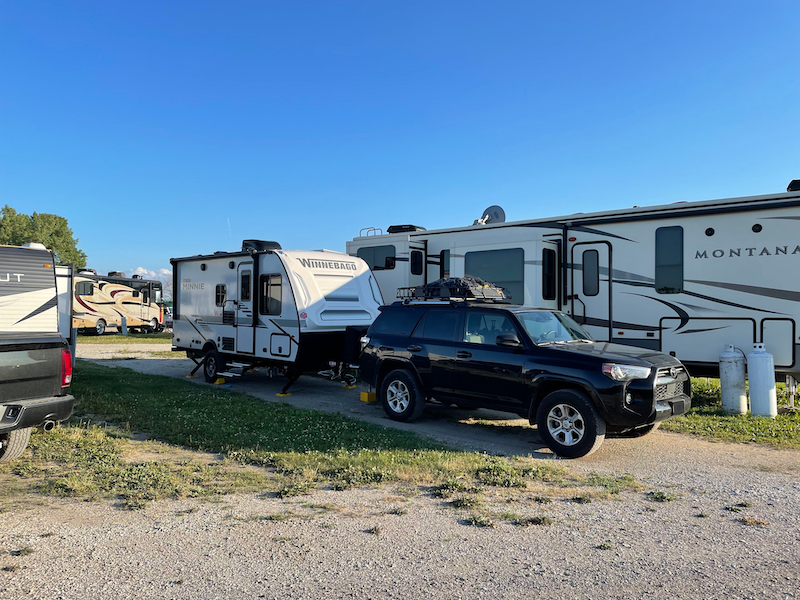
245	338
417	263
590	301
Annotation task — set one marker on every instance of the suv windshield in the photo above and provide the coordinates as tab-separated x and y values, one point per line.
546	327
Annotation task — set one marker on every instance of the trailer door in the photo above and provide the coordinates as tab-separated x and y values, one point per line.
417	263
590	302
244	310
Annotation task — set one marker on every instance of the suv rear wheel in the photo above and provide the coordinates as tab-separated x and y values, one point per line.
14	444
569	424
401	396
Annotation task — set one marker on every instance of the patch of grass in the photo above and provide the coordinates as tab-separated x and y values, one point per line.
466	502
659	496
165	337
581	499
398	510
298	488
450	487
541	499
27	550
527	521
614	484
479	521
605	546
375	530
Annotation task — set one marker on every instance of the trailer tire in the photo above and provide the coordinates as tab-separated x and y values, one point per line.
14	444
100	327
213	365
401	396
569	424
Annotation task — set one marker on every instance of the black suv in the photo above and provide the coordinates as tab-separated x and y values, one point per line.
537	363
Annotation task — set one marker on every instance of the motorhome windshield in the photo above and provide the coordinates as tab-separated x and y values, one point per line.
547	327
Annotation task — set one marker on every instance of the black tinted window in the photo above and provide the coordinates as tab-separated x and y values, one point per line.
438	325
396	321
669	260
591	272
549	274
417	266
379	258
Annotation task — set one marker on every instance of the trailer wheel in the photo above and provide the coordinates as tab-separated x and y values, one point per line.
213	365
569	424
14	444
100	327
401	396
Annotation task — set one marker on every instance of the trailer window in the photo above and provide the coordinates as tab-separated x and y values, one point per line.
84	288
591	272
549	274
379	258
417	266
444	264
669	260
270	295
221	293
500	267
245	293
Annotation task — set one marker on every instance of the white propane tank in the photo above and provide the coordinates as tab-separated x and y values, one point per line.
761	371
731	381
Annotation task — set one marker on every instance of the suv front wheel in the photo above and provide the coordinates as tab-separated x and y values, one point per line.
401	396
569	424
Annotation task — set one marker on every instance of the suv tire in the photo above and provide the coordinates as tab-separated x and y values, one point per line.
401	396
14	444
569	424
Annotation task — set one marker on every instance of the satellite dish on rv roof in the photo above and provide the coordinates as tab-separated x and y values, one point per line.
493	214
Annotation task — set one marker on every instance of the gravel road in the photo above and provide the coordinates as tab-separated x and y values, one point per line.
732	532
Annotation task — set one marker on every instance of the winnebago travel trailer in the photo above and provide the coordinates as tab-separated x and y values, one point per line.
100	301
685	279
267	306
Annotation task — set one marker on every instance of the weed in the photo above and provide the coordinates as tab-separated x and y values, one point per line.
659	496
479	521
752	522
541	499
23	551
581	499
11	568
399	511
613	484
501	474
375	530
606	546
298	488
465	502
540	520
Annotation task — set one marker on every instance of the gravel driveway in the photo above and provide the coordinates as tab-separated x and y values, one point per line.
732	531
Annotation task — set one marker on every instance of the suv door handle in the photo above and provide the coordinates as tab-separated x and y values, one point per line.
463	354
414	348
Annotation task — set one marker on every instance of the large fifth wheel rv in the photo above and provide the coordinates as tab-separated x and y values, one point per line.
288	309
103	300
685	279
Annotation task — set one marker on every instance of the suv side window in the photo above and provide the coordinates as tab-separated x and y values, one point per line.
438	325
393	321
484	327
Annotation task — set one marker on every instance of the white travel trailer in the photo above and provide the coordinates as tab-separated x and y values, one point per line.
267	306
685	279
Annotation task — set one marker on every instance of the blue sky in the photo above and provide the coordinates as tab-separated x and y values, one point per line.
171	128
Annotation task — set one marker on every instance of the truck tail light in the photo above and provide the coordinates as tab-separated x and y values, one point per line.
66	368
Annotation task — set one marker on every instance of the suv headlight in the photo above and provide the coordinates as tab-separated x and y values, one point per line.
625	372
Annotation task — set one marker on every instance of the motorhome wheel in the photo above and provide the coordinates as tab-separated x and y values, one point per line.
569	424
213	365
14	443
100	327
153	325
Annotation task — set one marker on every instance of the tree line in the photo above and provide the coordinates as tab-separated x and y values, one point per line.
53	231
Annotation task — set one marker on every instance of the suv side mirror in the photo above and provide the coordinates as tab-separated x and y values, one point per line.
508	339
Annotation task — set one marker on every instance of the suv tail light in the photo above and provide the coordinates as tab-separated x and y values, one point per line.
66	368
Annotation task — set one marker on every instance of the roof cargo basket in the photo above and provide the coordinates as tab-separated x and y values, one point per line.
404	228
466	288
259	246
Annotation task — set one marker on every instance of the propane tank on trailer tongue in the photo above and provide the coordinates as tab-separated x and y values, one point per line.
761	372
731	381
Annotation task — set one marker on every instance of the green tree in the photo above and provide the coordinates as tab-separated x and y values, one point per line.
51	230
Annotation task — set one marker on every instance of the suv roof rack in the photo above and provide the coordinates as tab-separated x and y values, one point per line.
464	288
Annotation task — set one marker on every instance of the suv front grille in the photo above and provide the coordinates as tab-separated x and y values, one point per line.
670	383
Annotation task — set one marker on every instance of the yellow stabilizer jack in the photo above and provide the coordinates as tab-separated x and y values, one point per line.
219	381
282	395
368	397
191	377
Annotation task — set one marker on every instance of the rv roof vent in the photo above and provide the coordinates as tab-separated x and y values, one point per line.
136	276
34	246
92	271
794	186
403	228
116	274
493	214
259	246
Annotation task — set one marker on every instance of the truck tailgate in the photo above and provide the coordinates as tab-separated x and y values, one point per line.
30	366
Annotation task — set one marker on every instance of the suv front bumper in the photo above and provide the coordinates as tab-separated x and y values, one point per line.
34	412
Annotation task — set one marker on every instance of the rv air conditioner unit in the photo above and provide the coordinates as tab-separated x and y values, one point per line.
259	246
404	228
116	274
794	186
92	271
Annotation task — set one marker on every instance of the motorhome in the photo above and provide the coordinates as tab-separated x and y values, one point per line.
685	279
267	306
101	301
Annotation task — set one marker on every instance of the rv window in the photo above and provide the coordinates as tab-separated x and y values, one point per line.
444	264
591	272
416	262
549	274
220	294
669	260
500	267
379	258
439	325
84	288
270	295
245	287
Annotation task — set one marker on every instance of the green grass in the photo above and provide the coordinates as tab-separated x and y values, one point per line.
165	337
707	420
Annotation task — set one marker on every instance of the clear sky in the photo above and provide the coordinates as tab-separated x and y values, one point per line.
171	128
